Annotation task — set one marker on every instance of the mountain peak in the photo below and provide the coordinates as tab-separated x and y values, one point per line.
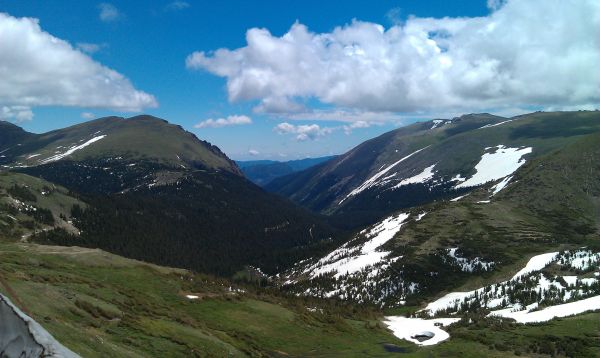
141	137
10	134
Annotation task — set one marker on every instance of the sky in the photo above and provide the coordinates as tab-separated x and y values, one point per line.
292	79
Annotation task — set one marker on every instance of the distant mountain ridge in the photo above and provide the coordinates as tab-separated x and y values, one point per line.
426	161
262	172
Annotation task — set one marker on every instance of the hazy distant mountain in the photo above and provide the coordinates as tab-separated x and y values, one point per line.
262	172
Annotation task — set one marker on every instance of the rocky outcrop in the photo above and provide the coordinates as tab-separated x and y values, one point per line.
22	337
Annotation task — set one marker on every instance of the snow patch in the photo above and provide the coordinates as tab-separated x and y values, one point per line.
496	124
469	265
374	180
458	198
546	314
21	336
453	299
499	164
422	177
71	150
536	263
417	330
501	185
438	123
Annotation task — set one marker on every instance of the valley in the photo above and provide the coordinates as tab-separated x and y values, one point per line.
300	179
491	246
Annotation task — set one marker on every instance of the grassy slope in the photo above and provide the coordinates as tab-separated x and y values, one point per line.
57	200
140	137
99	304
551	204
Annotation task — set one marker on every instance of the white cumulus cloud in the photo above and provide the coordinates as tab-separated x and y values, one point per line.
495	4
223	122
524	53
108	12
38	69
303	132
16	113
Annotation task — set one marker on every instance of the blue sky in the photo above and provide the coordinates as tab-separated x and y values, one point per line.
148	43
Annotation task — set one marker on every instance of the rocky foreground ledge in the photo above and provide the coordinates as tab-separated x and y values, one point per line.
21	336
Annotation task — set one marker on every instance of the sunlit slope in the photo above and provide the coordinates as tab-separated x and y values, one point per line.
550	203
418	164
29	204
140	137
99	305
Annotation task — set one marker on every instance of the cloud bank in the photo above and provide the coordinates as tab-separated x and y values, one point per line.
224	122
303	132
524	53
38	69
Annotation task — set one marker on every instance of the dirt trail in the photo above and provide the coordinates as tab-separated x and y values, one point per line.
81	252
57	250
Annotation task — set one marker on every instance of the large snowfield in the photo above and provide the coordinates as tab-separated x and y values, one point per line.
501	162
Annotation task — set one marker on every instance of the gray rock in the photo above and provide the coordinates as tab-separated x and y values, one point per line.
22	337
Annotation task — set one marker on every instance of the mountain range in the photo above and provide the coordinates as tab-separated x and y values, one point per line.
480	224
153	191
426	161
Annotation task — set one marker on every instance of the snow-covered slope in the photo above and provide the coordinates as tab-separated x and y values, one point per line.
530	296
530	289
361	259
349	259
380	178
